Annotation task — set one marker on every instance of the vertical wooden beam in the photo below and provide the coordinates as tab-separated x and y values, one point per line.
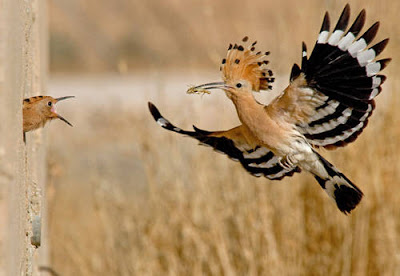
23	73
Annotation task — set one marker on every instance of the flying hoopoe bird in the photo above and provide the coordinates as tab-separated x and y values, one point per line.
327	104
38	110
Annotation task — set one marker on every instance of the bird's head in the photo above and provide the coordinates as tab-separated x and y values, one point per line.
243	70
46	107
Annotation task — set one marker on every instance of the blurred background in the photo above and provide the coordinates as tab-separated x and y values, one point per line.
129	198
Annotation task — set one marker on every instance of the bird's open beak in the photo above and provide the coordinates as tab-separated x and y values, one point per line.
63	119
58	115
64	98
203	88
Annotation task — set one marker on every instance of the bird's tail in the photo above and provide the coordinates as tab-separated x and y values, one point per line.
337	185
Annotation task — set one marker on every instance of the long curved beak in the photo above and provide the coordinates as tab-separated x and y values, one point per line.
58	115
203	88
63	119
64	98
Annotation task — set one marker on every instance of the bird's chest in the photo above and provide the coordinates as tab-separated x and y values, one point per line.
272	133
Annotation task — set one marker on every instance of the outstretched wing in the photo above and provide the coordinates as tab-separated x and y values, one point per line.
257	160
333	92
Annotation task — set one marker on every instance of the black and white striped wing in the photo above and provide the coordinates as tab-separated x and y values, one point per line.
343	72
257	160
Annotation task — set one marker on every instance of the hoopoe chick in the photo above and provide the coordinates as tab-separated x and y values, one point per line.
327	104
39	110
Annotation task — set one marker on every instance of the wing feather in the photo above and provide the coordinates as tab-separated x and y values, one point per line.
332	97
235	143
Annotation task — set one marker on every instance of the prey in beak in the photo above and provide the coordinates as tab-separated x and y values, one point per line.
204	88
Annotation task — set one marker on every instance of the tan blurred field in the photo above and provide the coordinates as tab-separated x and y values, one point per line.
129	198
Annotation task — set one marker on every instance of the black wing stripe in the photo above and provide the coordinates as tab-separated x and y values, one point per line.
343	21
360	82
379	47
342	111
220	144
370	34
334	136
338	112
258	161
358	24
335	128
342	122
326	109
325	23
266	157
350	94
344	69
345	99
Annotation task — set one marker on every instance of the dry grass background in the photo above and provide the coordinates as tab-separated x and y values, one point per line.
128	198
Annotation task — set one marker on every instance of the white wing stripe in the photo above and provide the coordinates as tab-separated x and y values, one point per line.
332	140
365	57
376	81
279	174
335	37
346	41
374	92
329	109
162	122
373	69
272	162
357	46
332	124
323	37
257	153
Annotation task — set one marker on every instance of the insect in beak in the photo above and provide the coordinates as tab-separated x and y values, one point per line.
203	88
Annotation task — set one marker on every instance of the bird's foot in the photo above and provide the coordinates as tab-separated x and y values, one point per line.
287	162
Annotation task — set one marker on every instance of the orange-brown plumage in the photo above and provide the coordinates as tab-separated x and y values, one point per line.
244	63
39	110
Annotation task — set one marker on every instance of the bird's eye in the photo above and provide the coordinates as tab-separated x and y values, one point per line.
49	103
238	85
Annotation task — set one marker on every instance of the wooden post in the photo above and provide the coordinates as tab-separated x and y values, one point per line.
23	73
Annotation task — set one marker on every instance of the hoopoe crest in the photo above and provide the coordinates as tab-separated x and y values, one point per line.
327	104
242	65
39	110
246	64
